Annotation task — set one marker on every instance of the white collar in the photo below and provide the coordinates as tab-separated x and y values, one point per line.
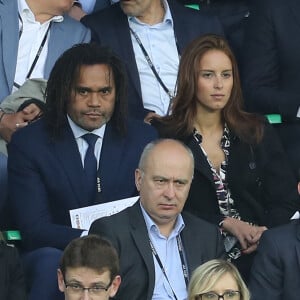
26	12
79	132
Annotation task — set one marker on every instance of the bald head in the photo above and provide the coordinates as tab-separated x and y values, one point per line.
163	179
165	147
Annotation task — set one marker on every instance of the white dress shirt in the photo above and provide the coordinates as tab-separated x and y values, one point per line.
160	43
31	35
78	132
167	250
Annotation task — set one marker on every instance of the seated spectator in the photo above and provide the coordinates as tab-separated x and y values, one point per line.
138	31
34	35
271	68
59	170
233	15
89	266
158	246
217	279
276	267
242	180
12	281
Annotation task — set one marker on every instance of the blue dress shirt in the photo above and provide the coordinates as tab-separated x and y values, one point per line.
167	250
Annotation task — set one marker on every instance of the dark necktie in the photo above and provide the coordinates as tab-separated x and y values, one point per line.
90	166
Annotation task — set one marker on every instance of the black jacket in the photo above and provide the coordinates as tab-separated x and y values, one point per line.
259	177
12	282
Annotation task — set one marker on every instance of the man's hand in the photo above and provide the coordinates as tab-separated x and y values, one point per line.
247	235
76	12
31	112
11	122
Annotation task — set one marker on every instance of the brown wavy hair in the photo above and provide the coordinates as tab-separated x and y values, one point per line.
248	127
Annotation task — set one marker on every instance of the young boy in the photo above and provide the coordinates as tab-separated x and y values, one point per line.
89	269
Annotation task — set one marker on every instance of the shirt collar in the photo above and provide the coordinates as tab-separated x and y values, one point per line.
79	132
152	227
167	18
26	12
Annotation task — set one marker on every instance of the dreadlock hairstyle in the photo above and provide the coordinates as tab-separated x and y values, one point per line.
248	127
65	75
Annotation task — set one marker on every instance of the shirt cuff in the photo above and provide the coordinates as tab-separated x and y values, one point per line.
84	233
298	113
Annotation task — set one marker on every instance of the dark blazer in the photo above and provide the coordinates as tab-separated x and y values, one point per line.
128	232
233	15
100	4
276	268
63	35
271	66
110	27
12	281
259	178
46	178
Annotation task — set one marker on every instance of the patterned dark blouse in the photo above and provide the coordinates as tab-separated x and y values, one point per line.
225	201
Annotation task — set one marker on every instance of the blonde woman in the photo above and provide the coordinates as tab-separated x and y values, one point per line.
216	280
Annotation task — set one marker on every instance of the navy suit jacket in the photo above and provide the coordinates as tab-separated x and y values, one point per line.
63	35
271	66
128	232
46	178
100	4
110	27
276	268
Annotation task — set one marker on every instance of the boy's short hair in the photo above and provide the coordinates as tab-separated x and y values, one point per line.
92	252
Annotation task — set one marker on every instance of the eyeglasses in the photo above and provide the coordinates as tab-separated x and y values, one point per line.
228	295
77	289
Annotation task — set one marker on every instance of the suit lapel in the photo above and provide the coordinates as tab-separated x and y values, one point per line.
294	8
54	48
68	155
192	254
111	156
10	33
140	236
201	164
123	39
178	30
298	242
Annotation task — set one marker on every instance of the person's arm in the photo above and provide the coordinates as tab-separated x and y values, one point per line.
266	280
248	235
77	11
32	194
278	183
10	122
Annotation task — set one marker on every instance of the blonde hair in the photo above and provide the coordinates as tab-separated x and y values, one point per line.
207	275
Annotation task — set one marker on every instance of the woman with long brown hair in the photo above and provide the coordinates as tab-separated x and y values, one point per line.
242	181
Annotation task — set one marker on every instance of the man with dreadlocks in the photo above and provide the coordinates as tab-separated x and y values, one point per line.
61	169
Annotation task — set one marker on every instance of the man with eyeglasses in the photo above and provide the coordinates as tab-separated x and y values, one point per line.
158	246
89	269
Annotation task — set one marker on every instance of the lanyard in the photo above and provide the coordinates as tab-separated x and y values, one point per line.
38	52
171	96
183	265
